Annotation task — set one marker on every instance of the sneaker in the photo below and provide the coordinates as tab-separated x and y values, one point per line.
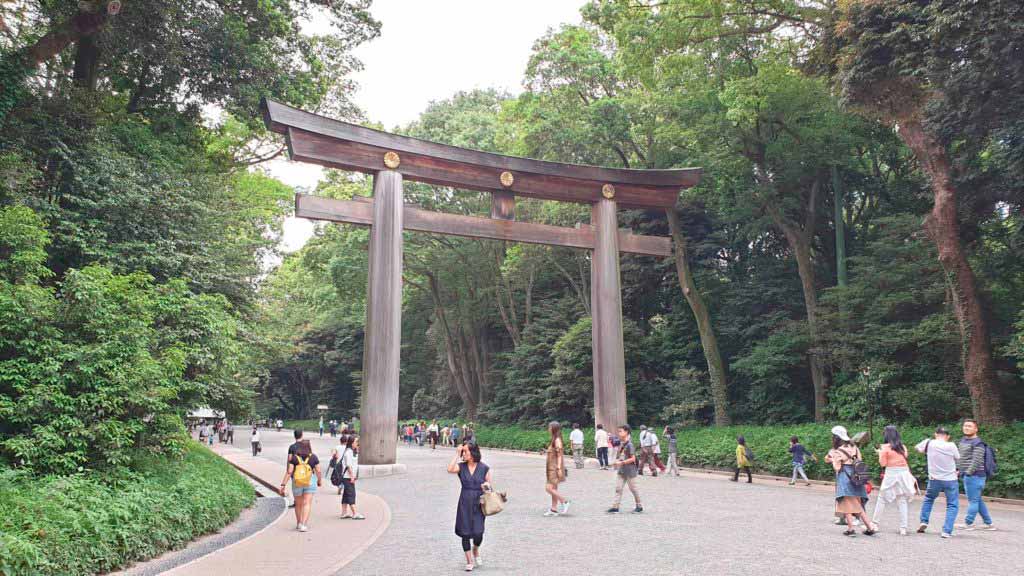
947	535
988	527
922	528
612	510
478	560
551	513
840	522
359	517
303	528
565	507
791	483
469	567
638	509
903	531
966	527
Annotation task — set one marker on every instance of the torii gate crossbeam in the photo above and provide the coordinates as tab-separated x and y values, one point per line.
392	158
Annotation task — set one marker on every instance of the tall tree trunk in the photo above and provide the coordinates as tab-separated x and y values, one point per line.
943	227
805	267
503	289
799	237
79	26
708	340
59	37
87	59
456	360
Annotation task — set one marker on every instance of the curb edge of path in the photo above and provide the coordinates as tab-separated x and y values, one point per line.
335	566
272	523
358	551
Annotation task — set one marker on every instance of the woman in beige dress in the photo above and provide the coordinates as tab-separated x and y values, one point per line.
555	470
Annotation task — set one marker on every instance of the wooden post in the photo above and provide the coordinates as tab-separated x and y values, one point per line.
382	342
606	312
503	206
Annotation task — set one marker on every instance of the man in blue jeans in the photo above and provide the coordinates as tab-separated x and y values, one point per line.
942	459
972	470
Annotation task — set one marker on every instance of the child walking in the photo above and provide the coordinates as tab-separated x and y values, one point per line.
625	462
744	459
799	453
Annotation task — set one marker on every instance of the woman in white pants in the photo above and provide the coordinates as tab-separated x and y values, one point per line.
899	485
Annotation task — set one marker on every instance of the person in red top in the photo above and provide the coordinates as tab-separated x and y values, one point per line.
899	484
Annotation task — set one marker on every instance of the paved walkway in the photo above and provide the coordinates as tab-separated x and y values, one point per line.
696	524
327	547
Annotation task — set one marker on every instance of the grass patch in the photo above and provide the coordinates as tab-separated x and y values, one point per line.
85	524
715	448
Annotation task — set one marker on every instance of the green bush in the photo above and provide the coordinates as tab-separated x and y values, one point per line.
715	448
85	524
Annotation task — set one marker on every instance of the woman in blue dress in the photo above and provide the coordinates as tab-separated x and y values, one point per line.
469	518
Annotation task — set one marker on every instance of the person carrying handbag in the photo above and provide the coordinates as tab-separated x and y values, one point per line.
474	475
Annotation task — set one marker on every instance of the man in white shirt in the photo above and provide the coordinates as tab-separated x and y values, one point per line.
255	440
647	442
656	448
576	440
942	457
601	441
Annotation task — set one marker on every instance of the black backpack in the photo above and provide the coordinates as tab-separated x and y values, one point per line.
339	472
860	474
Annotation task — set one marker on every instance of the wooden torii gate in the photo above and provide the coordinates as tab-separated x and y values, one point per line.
392	158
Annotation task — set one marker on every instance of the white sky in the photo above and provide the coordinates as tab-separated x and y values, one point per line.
429	50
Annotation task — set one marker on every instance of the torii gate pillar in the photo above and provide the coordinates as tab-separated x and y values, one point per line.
392	158
382	342
606	316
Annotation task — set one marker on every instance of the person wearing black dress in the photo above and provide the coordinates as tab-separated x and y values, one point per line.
469	518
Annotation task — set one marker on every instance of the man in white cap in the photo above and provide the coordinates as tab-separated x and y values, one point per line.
942	457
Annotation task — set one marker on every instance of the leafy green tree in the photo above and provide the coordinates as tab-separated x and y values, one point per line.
922	68
108	365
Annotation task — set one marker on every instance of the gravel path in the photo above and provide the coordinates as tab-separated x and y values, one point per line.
697	524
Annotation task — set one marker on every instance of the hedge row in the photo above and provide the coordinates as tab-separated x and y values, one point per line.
82	524
715	448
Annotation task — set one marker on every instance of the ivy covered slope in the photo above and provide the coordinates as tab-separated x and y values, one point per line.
90	523
714	447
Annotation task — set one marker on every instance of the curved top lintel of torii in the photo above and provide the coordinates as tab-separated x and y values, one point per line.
333	143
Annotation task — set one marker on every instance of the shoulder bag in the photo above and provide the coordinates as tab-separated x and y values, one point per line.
492	502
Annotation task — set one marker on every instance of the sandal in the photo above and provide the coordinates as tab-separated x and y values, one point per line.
870	532
849	532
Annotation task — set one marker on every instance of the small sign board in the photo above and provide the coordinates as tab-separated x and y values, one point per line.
321	406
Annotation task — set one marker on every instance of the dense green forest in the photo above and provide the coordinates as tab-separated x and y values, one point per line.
135	227
852	248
